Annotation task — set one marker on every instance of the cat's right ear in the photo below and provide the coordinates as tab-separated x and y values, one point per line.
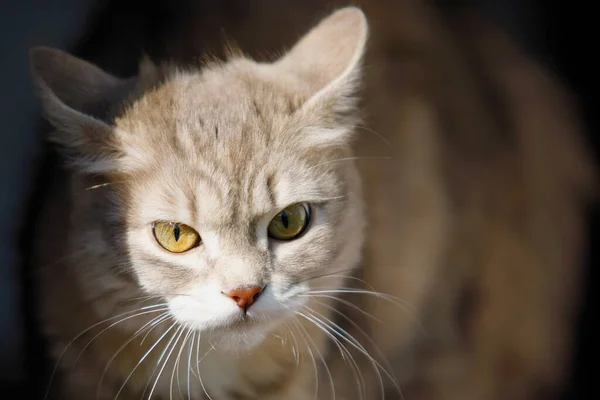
75	96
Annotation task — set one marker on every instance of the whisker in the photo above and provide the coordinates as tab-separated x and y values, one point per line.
150	296
198	366
323	361
177	363
312	356
349	159
189	368
102	185
161	296
329	331
110	326
375	133
144	357
62	354
392	299
325	275
352	278
343	301
162	355
342	333
362	331
346	356
155	324
180	330
135	335
295	348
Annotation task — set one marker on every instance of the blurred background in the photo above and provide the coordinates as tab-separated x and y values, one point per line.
113	33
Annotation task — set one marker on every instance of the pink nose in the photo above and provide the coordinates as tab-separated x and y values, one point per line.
245	297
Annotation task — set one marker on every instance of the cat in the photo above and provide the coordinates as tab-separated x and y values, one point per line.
197	212
467	237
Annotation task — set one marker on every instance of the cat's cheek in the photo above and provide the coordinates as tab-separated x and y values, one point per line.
279	300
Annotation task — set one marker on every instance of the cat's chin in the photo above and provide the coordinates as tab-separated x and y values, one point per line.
243	338
241	341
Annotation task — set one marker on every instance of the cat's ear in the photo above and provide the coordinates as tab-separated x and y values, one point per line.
76	96
327	62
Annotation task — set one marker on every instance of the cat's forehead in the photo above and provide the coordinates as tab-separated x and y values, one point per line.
234	95
225	139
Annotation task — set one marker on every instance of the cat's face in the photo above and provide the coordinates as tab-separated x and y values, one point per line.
237	209
239	187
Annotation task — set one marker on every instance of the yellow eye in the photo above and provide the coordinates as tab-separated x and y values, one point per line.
175	237
290	223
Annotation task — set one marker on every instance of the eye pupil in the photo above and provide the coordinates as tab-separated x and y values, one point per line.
284	220
175	237
176	232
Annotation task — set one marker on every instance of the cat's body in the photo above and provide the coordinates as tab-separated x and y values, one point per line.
471	222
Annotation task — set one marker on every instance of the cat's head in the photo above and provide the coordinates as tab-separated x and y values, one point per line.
228	187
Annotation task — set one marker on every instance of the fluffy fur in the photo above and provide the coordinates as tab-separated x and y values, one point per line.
223	149
475	184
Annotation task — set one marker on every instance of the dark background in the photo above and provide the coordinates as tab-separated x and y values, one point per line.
560	34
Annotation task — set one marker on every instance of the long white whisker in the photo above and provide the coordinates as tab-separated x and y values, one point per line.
343	301
314	277
120	349
178	362
329	331
198	360
342	333
323	361
189	368
295	348
376	134
154	325
346	356
349	277
110	326
362	331
349	159
180	330
144	357
312	356
388	297
62	354
162	355
101	185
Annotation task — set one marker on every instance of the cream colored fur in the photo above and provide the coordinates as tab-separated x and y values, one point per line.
475	181
223	149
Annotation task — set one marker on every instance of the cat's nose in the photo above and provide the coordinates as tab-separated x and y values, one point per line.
245	297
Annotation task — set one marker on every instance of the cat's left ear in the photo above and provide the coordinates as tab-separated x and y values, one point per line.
326	64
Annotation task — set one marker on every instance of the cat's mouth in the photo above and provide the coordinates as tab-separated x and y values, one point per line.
242	322
245	328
